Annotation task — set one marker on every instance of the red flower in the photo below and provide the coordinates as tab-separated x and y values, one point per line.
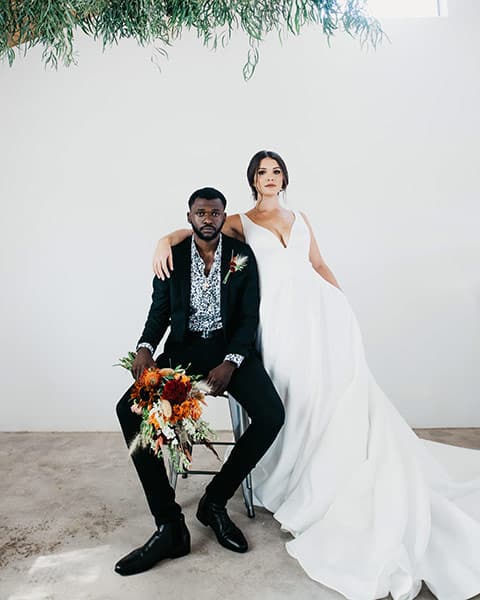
176	390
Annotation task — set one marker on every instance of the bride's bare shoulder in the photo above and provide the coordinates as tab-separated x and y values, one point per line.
233	227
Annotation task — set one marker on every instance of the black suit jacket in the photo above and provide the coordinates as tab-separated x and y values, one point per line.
239	299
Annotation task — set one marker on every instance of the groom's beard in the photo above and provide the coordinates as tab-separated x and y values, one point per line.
207	234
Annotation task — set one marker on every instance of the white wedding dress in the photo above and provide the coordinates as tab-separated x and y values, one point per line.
373	509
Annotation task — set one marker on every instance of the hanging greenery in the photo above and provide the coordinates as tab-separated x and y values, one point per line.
53	23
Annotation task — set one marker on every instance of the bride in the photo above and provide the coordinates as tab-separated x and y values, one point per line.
372	508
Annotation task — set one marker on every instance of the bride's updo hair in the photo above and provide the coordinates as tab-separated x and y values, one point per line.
255	163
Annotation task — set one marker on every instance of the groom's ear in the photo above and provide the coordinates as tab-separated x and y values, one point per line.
188	217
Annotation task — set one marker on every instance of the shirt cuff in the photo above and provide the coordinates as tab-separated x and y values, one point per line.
148	346
237	359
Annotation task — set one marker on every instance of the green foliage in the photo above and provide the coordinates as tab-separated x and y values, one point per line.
52	23
126	361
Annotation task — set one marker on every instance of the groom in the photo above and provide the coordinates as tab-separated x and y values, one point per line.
213	319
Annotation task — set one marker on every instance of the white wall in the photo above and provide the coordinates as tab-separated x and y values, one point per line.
97	161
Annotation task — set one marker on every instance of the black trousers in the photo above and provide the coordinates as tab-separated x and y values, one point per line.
250	386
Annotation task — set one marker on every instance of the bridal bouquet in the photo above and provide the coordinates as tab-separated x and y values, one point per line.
170	404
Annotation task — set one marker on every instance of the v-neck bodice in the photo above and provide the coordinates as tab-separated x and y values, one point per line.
273	258
280	237
279	267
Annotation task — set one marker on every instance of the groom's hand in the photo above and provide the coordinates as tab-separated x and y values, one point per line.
143	360
219	377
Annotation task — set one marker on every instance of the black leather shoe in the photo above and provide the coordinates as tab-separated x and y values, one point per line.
171	540
228	534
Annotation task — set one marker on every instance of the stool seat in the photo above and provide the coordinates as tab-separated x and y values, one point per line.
240	421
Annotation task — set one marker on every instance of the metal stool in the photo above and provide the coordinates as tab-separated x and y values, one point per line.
239	418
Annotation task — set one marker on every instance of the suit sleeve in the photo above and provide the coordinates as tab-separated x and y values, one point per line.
158	319
246	322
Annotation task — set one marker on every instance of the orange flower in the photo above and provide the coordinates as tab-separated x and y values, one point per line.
154	421
189	408
135	393
151	378
141	394
179	411
196	410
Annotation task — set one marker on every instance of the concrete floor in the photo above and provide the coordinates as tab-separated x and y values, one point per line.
71	506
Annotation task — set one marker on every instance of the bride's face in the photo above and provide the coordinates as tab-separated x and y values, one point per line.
269	178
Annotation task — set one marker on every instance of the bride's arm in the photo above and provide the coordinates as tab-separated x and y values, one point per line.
316	258
162	259
233	227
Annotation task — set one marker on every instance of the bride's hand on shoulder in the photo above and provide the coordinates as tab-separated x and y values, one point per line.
162	259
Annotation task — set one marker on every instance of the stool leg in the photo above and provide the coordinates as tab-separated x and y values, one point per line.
239	419
247	483
235	417
247	489
173	477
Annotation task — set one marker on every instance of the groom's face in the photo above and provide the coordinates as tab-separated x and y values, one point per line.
207	218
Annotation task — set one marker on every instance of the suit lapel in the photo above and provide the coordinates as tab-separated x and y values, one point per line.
185	274
224	287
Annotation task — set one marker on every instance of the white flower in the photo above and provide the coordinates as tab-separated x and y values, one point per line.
189	426
237	263
240	261
202	386
168	432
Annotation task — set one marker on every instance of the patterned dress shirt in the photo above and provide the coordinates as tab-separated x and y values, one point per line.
205	314
205	292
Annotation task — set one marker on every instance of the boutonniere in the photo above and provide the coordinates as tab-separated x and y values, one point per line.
237	263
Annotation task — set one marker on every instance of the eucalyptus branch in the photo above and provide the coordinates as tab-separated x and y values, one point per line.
126	361
52	24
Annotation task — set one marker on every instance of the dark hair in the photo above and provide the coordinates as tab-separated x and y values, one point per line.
207	193
255	163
